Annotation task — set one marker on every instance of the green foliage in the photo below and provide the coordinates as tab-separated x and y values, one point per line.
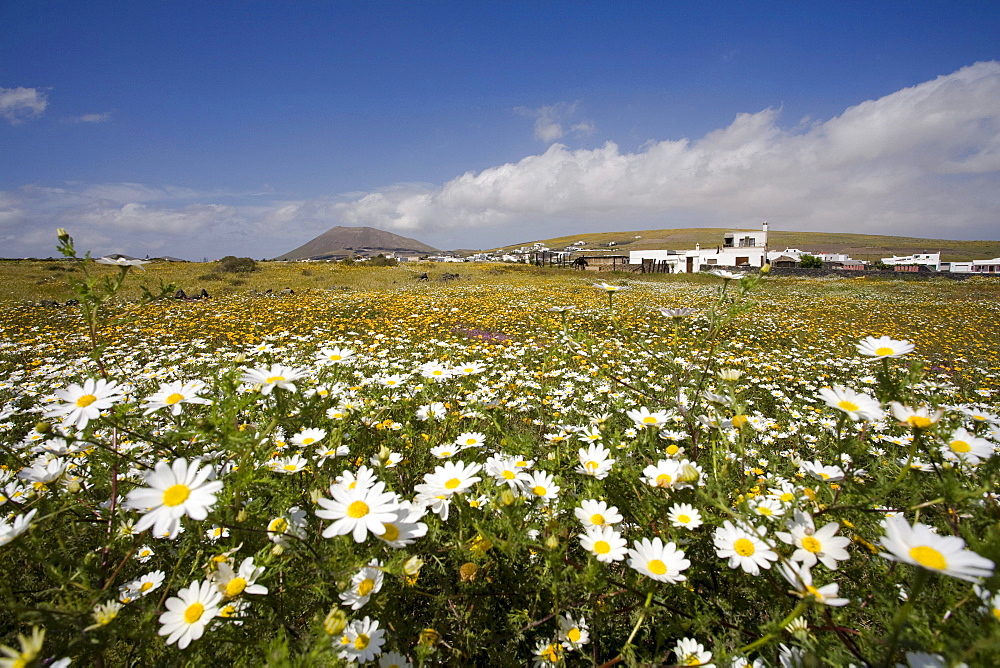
237	265
810	262
382	261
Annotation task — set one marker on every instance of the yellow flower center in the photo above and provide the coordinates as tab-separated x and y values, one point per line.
649	419
86	400
357	509
683	519
787	497
174	398
602	547
739	420
520	463
663	480
744	547
275	379
289	467
365	587
361	641
657	567
509	475
848	406
175	495
591	465
453	483
928	557
884	350
193	613
765	511
573	635
960	446
672	449
391	533
335	358
471	441
235	587
278	525
146	586
538	490
810	544
227	611
308	441
597	519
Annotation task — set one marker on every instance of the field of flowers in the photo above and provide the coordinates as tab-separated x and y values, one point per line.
520	469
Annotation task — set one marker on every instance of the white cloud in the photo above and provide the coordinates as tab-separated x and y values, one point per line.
102	117
19	104
923	160
549	121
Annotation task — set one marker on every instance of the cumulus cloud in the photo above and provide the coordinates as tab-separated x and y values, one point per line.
549	121
20	104
923	160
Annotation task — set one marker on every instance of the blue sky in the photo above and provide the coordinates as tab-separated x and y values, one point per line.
203	129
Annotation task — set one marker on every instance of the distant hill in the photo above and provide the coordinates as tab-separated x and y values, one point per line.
347	241
859	246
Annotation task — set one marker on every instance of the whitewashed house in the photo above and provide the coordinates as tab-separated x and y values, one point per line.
738	249
932	260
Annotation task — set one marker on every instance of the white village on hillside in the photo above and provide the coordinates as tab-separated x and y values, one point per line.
738	249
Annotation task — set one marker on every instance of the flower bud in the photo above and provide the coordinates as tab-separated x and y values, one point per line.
335	622
689	473
467	571
43	427
413	565
429	637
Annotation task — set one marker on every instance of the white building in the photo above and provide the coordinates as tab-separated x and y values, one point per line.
976	266
932	260
739	249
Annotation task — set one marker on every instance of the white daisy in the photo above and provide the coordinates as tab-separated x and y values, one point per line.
188	613
743	547
358	511
175	490
920	546
606	544
660	562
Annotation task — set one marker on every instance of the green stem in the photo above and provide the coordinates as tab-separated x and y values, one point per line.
768	637
899	621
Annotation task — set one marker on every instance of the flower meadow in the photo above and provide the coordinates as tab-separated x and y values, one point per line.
741	471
